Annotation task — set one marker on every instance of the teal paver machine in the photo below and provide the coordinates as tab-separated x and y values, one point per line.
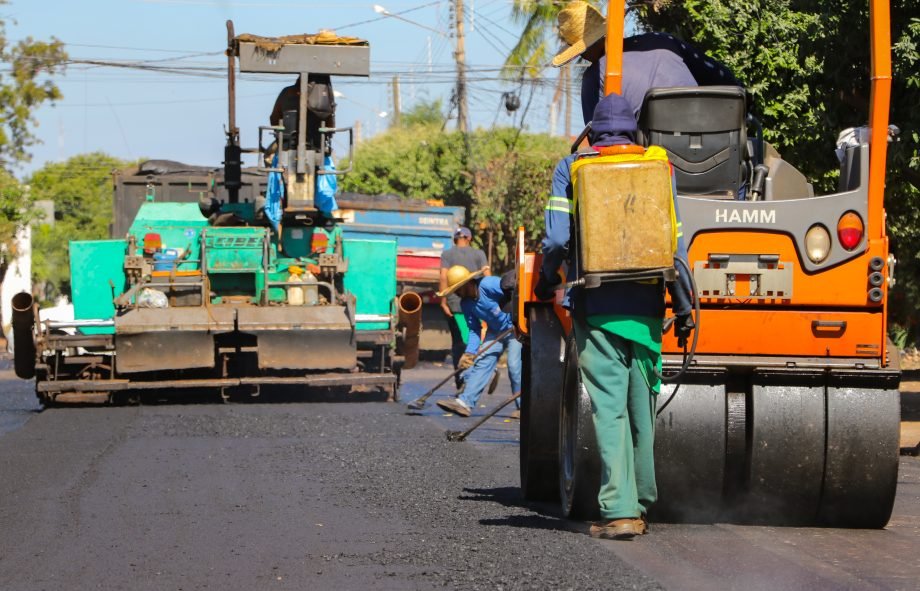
232	293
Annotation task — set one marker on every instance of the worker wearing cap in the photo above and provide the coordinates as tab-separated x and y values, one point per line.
482	300
472	259
650	60
618	329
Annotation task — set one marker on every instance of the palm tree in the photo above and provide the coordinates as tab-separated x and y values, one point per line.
537	41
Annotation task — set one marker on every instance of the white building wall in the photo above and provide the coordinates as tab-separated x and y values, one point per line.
18	278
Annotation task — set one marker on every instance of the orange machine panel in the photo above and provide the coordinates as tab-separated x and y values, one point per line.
845	285
788	333
528	268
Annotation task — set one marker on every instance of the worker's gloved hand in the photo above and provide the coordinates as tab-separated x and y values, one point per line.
683	326
545	289
466	361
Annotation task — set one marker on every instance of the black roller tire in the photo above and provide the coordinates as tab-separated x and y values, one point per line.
579	458
861	469
541	395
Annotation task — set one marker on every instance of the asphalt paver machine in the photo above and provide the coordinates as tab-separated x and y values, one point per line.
216	293
788	411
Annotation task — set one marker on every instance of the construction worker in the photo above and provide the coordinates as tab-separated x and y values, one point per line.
473	259
618	329
320	103
650	60
482	299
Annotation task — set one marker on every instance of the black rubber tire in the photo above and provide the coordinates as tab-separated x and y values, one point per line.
541	395
862	455
786	451
579	458
691	441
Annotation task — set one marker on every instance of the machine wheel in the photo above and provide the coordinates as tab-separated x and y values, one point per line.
692	438
541	394
861	468
787	449
579	458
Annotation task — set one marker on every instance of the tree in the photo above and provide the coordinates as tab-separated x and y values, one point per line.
511	192
81	189
423	113
534	48
504	184
24	88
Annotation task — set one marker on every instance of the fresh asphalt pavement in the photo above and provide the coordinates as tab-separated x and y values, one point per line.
335	495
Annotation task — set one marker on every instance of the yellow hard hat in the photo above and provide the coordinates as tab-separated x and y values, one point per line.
457	277
295	270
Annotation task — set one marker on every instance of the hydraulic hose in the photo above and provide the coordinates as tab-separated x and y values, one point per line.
688	354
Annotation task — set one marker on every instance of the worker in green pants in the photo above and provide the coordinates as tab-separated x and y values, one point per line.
620	375
618	333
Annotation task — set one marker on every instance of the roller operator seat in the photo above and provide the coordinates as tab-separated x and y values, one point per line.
703	130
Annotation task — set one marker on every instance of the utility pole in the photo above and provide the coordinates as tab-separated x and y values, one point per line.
460	56
568	101
395	101
557	101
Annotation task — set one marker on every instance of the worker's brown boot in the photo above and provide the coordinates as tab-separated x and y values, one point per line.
455	406
616	529
642	525
516	414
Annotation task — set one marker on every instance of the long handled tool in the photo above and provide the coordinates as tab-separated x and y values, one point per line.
419	403
461	435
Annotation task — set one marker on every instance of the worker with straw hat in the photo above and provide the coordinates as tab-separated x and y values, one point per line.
462	253
650	60
482	299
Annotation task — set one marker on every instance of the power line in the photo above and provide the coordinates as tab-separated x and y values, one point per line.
379	18
154	49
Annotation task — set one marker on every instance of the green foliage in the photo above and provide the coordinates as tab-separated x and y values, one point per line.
425	113
511	191
23	88
898	335
501	176
419	162
81	189
537	42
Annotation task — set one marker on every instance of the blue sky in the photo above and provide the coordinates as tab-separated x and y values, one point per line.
133	113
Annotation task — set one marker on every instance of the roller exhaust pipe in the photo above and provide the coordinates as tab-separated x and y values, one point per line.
410	320
23	340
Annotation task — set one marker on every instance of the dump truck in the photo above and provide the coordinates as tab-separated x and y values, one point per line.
221	291
787	406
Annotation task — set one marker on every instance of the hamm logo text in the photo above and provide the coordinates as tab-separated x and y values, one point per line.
745	216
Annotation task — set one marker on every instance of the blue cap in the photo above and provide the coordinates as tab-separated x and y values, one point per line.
463	232
613	122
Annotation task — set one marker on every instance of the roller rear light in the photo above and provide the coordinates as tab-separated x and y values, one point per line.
817	243
850	230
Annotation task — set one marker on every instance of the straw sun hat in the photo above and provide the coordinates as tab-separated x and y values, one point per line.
457	277
581	26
